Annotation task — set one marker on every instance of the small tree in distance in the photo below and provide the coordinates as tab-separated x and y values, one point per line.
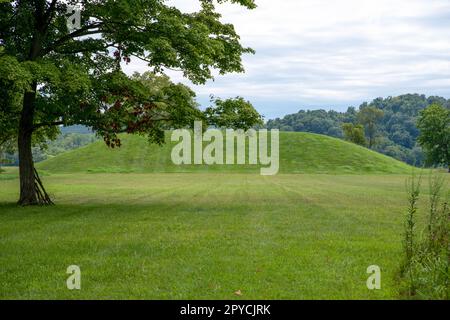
354	133
434	126
369	117
233	113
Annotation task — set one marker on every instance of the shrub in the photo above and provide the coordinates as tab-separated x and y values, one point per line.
425	270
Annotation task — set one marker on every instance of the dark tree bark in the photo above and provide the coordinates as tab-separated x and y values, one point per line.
26	167
32	191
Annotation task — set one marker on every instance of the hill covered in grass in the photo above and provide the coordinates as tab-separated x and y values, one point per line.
299	153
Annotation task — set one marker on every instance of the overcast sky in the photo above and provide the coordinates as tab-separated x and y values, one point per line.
333	54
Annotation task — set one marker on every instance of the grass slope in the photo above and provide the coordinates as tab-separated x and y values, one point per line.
299	153
204	236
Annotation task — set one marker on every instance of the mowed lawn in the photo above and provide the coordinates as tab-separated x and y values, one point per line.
204	236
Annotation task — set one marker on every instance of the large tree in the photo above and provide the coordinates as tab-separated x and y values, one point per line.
53	75
434	126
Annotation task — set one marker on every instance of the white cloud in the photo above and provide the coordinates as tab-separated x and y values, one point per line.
335	53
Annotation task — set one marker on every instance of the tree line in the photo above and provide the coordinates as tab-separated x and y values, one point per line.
387	125
390	126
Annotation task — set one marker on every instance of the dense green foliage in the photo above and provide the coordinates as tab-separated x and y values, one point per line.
369	117
77	73
6	149
299	153
52	74
425	270
434	126
233	113
397	130
354	133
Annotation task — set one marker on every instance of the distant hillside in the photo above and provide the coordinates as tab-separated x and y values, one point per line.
76	129
71	137
397	130
64	142
299	153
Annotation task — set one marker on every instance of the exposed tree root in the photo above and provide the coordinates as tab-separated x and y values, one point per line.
42	196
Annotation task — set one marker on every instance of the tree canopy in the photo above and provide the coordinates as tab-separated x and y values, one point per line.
369	116
397	130
434	126
37	48
51	75
354	133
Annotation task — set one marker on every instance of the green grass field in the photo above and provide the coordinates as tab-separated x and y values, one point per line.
204	235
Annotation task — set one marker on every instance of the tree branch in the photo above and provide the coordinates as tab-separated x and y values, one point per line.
47	124
164	66
49	14
77	33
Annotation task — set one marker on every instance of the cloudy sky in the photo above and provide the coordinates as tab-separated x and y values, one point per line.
333	54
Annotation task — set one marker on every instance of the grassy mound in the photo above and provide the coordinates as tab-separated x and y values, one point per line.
299	153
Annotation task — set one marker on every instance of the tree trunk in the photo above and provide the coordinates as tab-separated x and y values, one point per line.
32	191
26	167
